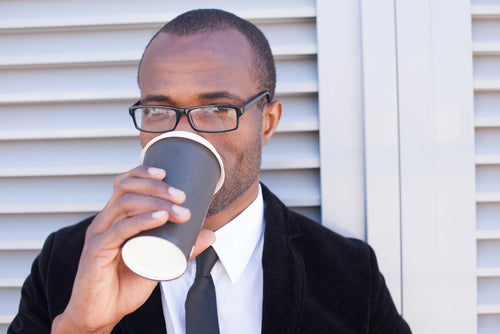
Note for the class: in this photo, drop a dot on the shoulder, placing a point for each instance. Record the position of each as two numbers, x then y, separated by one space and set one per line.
337 277
58 260
66 241
62 249
318 243
324 255
310 236
47 289
73 234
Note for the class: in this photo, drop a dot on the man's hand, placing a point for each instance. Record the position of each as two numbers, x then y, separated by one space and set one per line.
105 290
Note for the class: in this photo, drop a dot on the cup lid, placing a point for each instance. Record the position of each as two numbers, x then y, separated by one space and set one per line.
193 137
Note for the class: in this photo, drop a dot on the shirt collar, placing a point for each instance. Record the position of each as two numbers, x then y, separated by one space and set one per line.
236 240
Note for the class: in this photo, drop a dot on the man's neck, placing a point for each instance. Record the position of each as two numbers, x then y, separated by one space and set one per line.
214 222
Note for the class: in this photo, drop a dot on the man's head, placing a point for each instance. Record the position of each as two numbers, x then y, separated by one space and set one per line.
207 60
209 20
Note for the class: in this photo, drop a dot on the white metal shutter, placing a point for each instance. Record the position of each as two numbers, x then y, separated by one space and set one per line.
486 49
67 76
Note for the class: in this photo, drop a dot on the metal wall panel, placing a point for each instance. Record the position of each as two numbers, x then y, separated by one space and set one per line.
436 149
486 49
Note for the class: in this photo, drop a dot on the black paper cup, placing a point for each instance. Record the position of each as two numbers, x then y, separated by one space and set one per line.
192 165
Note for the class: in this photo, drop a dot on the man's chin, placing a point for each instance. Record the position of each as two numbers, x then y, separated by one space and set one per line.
219 204
226 196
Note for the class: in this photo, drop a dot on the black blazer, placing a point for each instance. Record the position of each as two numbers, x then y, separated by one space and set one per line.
315 281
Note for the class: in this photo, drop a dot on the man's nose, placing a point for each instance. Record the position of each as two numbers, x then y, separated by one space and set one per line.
184 125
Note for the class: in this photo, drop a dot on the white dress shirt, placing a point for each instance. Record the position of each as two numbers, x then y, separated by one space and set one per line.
237 277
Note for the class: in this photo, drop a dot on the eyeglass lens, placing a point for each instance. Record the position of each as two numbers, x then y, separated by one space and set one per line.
209 118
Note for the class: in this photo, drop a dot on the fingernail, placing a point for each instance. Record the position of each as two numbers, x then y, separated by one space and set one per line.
179 210
153 171
175 192
162 214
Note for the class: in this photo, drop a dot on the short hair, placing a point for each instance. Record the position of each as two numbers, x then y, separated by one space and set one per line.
209 20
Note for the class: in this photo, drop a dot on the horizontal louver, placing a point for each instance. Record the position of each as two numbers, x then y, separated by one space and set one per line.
67 76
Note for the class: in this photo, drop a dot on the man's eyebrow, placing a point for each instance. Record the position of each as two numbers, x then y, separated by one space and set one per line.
222 94
156 98
164 99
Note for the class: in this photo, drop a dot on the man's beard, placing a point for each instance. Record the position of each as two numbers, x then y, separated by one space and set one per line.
239 178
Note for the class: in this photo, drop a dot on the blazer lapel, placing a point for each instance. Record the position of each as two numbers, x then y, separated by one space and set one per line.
148 318
284 273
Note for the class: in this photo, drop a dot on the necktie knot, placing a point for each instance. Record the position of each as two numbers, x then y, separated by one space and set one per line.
205 262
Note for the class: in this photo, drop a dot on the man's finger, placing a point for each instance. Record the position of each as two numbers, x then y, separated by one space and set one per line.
131 205
116 235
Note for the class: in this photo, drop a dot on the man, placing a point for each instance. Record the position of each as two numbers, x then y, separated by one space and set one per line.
277 272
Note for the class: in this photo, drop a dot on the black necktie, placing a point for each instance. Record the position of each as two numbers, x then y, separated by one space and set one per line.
201 305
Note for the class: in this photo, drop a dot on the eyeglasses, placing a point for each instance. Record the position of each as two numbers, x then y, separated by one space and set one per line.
210 118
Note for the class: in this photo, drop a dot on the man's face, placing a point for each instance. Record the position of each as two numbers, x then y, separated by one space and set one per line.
202 69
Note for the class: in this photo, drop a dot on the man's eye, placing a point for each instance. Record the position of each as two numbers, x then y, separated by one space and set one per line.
218 109
154 112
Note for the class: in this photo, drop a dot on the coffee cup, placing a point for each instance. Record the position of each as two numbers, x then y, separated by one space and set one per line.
192 165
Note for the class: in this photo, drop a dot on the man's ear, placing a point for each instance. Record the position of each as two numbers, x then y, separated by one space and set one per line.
271 118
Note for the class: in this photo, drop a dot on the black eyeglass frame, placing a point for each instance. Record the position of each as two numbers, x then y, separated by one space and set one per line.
240 110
